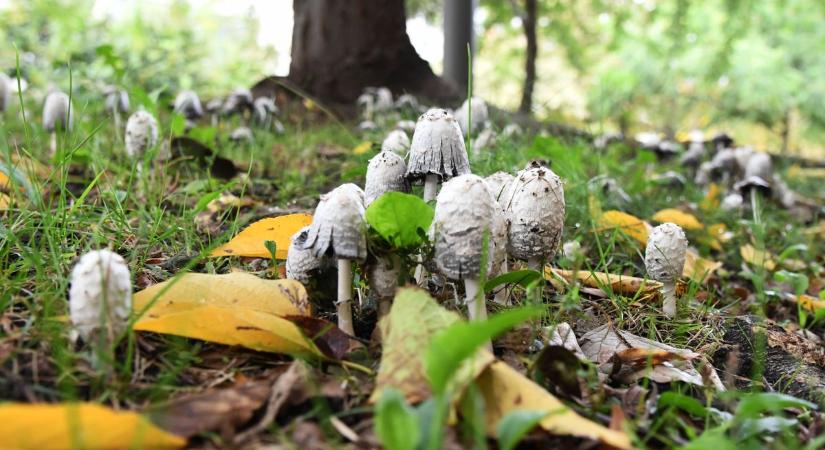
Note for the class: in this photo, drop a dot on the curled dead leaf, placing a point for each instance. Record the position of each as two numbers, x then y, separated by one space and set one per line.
626 223
685 220
251 241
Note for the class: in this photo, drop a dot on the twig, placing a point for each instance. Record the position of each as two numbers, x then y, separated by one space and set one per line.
281 389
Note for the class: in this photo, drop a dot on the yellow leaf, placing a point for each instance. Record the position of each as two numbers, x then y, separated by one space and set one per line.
620 284
79 425
309 104
757 258
632 226
685 220
717 234
250 241
505 390
810 303
795 171
5 201
698 268
233 309
362 148
711 200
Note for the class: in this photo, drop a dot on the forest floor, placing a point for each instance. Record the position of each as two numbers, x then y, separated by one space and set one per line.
166 221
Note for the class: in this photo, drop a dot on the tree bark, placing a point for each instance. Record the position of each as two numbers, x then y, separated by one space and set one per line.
529 23
341 47
458 34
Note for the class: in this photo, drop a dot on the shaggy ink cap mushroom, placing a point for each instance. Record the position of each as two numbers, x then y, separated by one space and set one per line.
758 174
5 91
407 102
188 104
534 208
117 100
479 115
141 133
100 297
385 173
338 224
437 147
499 183
241 134
265 109
301 262
665 260
397 142
239 101
56 112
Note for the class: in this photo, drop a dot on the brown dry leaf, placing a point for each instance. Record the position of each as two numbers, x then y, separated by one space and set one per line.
79 425
250 241
816 229
233 309
640 357
698 268
757 258
631 225
326 336
685 220
505 390
621 284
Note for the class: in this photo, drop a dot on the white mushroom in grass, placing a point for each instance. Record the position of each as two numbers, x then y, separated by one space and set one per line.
498 236
100 297
732 202
117 102
213 108
383 275
397 142
57 115
238 102
188 104
499 184
534 207
665 260
437 151
407 126
478 117
301 262
6 89
463 219
338 230
241 134
385 173
265 110
141 135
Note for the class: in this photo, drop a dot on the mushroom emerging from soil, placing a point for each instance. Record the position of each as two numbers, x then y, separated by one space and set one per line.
478 117
57 115
117 102
141 134
437 152
301 262
534 207
239 102
383 276
5 91
385 173
665 260
188 104
100 298
265 110
397 142
338 230
464 214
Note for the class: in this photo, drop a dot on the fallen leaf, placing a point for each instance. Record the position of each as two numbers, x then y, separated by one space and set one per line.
250 241
685 220
757 258
628 224
362 148
79 425
233 309
716 235
698 268
810 303
712 198
326 336
620 284
797 171
505 390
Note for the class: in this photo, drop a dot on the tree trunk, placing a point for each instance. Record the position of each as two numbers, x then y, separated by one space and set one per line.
458 34
341 47
529 22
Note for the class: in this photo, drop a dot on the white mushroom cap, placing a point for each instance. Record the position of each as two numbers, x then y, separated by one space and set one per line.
511 130
741 156
437 147
464 213
188 104
499 183
238 101
479 116
696 136
759 165
406 125
116 99
5 91
385 173
694 155
301 262
100 295
383 99
407 101
665 252
141 133
648 139
783 193
732 202
367 125
56 110
338 225
214 105
264 108
535 213
241 134
397 142
485 140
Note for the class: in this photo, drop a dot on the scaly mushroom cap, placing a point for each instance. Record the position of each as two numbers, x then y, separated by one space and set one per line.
464 213
301 262
5 91
499 183
534 207
239 100
437 147
338 226
264 109
188 104
479 116
665 252
116 99
383 277
498 236
397 142
759 165
141 133
56 114
385 173
100 295
241 134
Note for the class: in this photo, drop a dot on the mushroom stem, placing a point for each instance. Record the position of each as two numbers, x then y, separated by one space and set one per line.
534 262
669 299
430 187
344 303
476 309
500 296
53 143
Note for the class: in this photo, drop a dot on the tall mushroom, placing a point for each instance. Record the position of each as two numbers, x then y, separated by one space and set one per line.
463 217
188 104
5 91
57 115
665 260
499 183
117 103
238 102
476 121
265 110
385 173
141 134
100 297
397 142
437 152
534 207
338 230
496 183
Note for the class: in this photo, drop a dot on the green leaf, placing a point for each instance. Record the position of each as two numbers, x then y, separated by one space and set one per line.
688 404
752 405
714 438
461 340
177 125
512 428
400 219
396 423
523 278
204 201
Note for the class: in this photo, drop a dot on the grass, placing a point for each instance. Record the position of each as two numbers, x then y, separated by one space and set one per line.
91 196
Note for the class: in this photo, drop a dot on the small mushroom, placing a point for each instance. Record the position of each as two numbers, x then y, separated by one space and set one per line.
241 134
57 115
407 102
721 141
758 174
301 262
6 89
374 100
511 130
338 230
385 173
437 152
117 102
188 104
397 142
265 111
476 121
693 156
407 126
605 140
238 102
496 183
665 260
367 125
732 202
499 183
670 179
534 207
213 108
463 217
487 139
100 297
383 275
141 134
